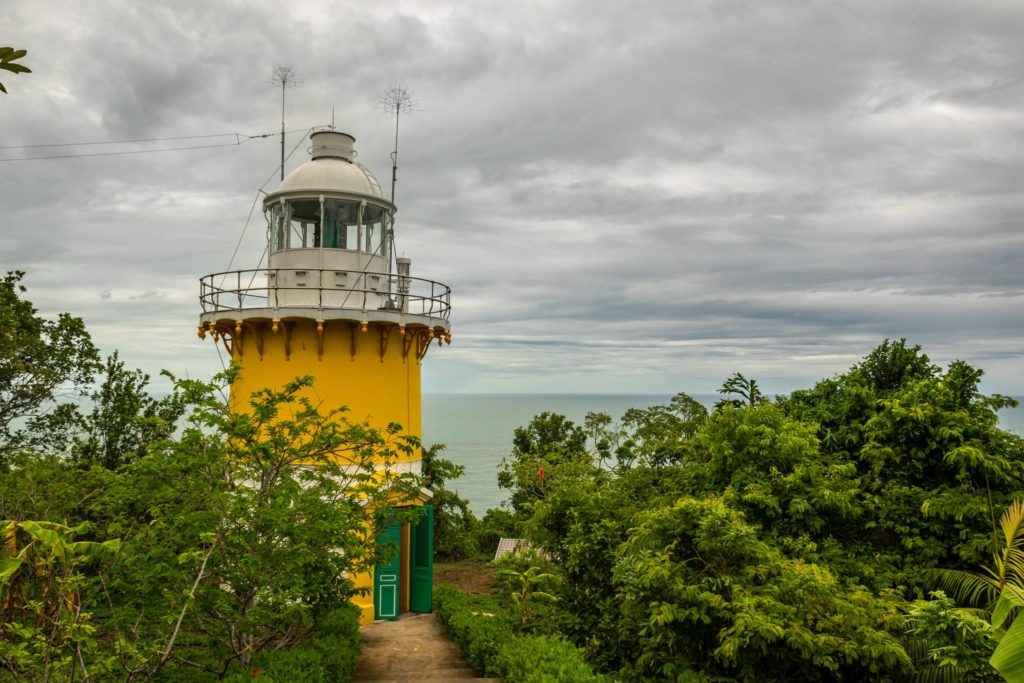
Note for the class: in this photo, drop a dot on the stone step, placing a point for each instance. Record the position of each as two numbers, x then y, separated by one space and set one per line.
398 668
414 648
457 673
415 678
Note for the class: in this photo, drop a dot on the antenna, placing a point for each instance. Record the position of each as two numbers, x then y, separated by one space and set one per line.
284 75
399 100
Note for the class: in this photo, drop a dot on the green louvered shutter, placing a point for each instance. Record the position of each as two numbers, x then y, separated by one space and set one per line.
421 589
386 573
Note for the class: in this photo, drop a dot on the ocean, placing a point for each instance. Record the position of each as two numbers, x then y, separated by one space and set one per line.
477 429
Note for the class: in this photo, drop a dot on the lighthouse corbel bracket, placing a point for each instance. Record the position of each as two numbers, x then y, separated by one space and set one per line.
409 338
385 333
224 336
258 331
286 329
423 343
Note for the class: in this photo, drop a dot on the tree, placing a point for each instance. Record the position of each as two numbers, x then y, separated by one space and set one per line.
48 634
453 521
947 643
781 540
238 536
661 435
932 466
8 57
525 589
892 365
39 359
124 420
698 589
303 492
999 590
547 449
747 390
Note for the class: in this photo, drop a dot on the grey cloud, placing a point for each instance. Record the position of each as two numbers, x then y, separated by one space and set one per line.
623 197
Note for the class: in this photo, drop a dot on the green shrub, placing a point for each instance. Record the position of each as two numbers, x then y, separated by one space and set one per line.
300 663
484 632
543 659
327 657
337 639
477 624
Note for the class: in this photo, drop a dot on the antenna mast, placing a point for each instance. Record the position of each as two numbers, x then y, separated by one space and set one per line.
284 75
400 101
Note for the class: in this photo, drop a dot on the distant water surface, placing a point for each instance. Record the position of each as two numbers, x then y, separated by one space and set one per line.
477 429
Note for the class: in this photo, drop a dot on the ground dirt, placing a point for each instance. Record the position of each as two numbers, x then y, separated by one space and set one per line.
470 576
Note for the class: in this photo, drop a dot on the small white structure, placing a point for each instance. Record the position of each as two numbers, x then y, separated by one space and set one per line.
512 546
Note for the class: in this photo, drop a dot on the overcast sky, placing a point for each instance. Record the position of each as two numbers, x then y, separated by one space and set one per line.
625 197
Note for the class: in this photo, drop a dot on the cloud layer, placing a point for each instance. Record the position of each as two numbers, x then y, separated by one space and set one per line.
624 198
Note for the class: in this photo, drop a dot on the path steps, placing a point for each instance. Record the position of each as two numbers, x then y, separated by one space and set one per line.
414 648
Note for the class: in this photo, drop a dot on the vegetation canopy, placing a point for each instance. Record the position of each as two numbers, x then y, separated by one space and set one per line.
800 538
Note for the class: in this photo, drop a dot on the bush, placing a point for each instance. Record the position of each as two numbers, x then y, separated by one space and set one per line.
478 625
337 639
484 632
328 657
495 525
543 659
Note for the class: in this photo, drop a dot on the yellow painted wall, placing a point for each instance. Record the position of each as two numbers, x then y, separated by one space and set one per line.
378 389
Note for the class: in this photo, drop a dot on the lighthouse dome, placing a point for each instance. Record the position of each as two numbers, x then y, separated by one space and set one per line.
331 169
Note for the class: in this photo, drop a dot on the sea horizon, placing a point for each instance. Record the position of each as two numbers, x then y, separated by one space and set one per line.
477 428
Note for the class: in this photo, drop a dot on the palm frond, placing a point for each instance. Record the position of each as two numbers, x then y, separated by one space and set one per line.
964 587
940 674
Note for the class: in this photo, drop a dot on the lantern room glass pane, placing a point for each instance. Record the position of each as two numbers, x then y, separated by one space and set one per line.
304 224
373 228
341 224
277 228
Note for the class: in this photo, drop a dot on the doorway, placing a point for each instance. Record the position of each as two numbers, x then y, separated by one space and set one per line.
405 575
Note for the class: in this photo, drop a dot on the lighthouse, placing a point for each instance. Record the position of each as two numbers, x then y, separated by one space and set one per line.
335 302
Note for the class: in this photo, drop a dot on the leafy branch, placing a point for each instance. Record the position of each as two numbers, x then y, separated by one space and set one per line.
8 57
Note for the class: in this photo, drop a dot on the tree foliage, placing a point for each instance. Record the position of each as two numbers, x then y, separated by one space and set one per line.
235 535
547 450
454 523
122 421
999 590
40 360
782 540
747 390
8 62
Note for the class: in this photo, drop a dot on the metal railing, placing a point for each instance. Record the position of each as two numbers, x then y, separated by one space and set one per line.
312 288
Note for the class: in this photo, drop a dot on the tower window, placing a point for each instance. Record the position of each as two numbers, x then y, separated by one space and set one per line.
304 224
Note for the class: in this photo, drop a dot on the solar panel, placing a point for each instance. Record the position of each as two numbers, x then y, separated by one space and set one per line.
509 545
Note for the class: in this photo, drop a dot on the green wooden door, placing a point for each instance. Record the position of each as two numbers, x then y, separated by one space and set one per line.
386 573
421 583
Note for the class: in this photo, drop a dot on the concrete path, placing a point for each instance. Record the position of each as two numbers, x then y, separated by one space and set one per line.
414 648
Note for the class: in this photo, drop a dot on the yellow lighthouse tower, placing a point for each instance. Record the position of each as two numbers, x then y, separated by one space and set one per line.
334 302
